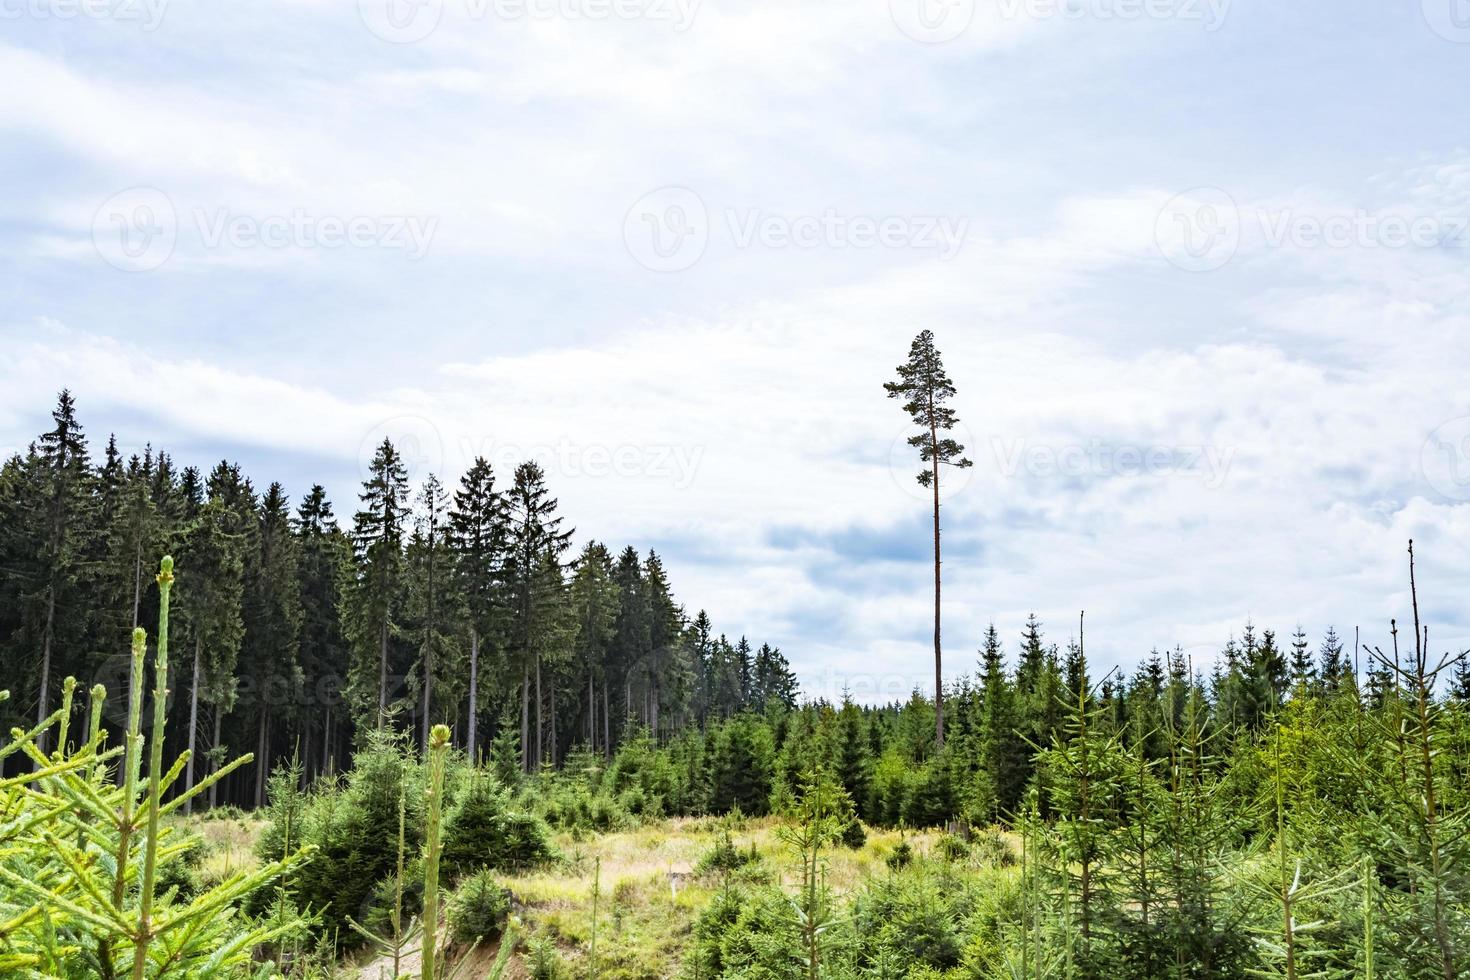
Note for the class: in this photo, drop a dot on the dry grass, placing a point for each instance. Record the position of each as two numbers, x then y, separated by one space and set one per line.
649 896
227 844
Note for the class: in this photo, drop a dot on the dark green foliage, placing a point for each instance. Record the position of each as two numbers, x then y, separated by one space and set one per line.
484 829
355 829
952 847
740 766
902 856
479 909
920 918
726 859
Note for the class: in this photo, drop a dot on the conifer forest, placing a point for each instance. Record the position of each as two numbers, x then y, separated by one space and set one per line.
734 490
424 737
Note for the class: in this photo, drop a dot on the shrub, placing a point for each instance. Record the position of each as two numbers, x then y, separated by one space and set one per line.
482 830
725 858
545 962
902 856
478 909
918 917
991 846
852 835
953 847
354 827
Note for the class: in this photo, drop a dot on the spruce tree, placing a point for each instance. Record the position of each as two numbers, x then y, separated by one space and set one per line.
534 573
924 388
428 559
374 595
211 575
477 541
1332 665
60 520
324 560
1004 756
1303 668
594 598
271 651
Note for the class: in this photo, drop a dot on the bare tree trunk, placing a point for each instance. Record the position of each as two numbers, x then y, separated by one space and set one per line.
326 769
540 726
606 722
383 674
428 691
474 691
193 724
653 706
525 716
262 760
137 579
938 670
429 645
591 712
218 716
307 758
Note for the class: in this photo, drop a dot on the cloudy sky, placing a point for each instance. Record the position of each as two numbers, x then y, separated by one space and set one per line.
1197 267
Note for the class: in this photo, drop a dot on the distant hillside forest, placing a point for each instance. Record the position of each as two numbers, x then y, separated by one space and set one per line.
297 636
297 639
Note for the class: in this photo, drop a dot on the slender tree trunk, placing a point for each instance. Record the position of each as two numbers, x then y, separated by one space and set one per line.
606 722
525 716
193 723
326 769
428 689
653 707
591 712
262 760
551 693
137 579
938 669
474 691
213 795
540 726
43 699
383 674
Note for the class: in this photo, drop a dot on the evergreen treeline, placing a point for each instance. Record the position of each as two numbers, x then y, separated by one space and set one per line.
299 636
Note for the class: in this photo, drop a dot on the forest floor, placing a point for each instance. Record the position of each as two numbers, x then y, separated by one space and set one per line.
648 893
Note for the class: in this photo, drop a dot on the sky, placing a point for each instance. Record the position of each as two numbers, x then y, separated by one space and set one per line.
1198 269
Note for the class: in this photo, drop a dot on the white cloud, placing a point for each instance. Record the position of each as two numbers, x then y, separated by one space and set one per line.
1174 451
